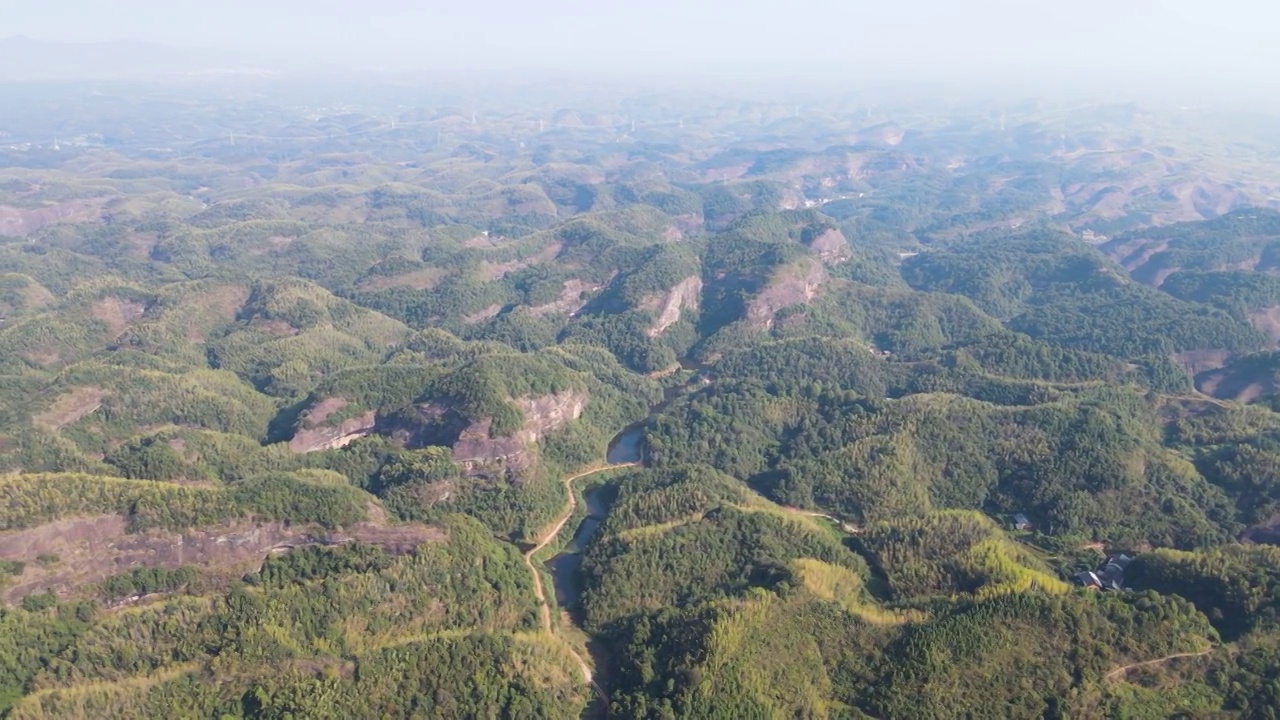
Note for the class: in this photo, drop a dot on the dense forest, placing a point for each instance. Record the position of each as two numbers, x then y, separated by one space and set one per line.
725 413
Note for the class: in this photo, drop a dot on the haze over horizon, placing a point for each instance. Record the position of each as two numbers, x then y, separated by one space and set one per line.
1228 46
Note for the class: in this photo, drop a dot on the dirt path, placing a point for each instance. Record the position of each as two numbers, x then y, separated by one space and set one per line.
848 527
1123 669
549 536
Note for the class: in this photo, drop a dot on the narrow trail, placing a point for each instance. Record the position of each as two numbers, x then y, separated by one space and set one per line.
544 608
1123 669
848 527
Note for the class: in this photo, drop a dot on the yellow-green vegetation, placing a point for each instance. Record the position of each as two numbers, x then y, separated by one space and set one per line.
34 498
678 536
953 552
464 598
1076 460
21 295
296 333
842 586
387 318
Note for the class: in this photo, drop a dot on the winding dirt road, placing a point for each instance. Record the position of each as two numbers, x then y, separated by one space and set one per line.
544 608
848 527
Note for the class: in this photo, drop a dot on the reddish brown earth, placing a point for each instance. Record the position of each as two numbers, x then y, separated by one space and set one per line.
423 279
1267 321
70 407
495 271
20 222
1264 533
279 328
92 549
1231 384
224 302
475 448
482 315
1199 361
118 314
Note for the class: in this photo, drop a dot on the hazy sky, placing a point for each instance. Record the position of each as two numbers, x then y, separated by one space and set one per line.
1229 39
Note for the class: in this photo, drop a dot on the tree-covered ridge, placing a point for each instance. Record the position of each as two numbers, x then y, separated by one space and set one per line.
1247 238
951 552
1079 463
31 499
808 637
888 400
247 651
1056 289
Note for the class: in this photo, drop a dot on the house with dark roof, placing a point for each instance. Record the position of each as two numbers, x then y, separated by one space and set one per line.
1108 576
1020 522
1089 579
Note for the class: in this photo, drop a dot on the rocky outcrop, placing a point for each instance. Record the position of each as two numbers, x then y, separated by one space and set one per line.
790 285
91 549
830 245
476 449
315 433
434 423
573 296
686 294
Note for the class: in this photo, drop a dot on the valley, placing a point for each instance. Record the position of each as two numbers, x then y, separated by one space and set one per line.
555 404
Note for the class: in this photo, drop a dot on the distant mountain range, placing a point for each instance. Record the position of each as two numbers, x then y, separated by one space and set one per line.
27 59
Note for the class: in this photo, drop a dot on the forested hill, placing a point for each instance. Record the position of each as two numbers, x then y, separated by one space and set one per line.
717 412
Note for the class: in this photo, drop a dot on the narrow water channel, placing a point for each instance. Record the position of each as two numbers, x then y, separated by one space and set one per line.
565 567
625 447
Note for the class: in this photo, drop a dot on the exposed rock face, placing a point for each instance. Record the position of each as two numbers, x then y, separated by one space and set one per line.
686 294
475 448
482 315
92 549
831 246
793 284
437 424
316 435
573 296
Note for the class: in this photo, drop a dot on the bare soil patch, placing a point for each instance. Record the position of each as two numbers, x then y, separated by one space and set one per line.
278 328
1199 361
20 222
94 548
482 315
423 279
70 407
1268 322
118 314
323 409
573 296
495 271
480 242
